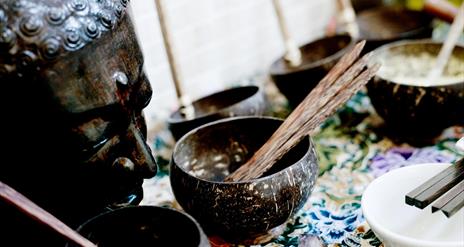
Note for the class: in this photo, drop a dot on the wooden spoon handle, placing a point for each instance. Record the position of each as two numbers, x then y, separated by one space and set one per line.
35 212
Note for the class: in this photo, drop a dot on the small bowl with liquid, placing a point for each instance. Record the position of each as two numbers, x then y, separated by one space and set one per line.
413 107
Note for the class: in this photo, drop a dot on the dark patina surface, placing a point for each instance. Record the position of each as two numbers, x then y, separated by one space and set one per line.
319 57
144 226
239 101
360 5
240 210
74 91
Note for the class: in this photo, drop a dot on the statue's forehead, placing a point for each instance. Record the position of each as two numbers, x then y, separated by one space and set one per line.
89 78
68 46
34 33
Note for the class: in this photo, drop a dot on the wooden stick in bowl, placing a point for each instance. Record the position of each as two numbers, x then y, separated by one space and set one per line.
345 79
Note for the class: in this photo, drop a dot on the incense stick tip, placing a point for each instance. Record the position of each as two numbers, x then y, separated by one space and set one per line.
361 44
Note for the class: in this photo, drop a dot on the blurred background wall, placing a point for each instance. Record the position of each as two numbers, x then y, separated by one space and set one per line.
219 42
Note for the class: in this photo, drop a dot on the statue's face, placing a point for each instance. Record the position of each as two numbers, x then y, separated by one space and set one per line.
85 93
102 91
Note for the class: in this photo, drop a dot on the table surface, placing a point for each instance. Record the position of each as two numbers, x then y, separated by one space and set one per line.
352 152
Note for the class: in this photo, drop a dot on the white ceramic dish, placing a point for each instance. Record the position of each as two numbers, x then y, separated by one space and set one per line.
400 225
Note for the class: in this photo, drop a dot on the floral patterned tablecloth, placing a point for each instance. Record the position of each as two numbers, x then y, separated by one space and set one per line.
352 152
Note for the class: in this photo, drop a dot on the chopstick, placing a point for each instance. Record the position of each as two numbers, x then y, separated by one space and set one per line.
343 80
454 205
413 198
453 200
450 202
432 193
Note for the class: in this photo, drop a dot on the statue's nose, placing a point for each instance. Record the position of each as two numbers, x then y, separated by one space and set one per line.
139 160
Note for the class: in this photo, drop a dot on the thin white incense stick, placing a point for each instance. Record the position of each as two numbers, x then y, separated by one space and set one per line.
347 18
293 53
186 107
447 48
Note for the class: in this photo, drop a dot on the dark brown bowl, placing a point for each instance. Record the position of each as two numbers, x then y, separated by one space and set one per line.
386 24
144 226
416 113
238 101
319 57
239 210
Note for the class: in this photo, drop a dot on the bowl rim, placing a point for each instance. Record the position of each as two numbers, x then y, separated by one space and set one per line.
398 35
144 207
325 60
202 240
384 48
389 233
173 120
237 118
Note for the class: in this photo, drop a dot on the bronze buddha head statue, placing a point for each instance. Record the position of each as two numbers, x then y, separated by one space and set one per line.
74 91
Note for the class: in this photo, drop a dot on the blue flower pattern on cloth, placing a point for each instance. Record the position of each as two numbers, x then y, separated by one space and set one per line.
333 227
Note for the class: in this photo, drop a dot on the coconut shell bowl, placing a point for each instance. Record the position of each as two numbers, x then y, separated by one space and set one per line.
414 108
385 24
318 57
237 211
143 226
238 101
